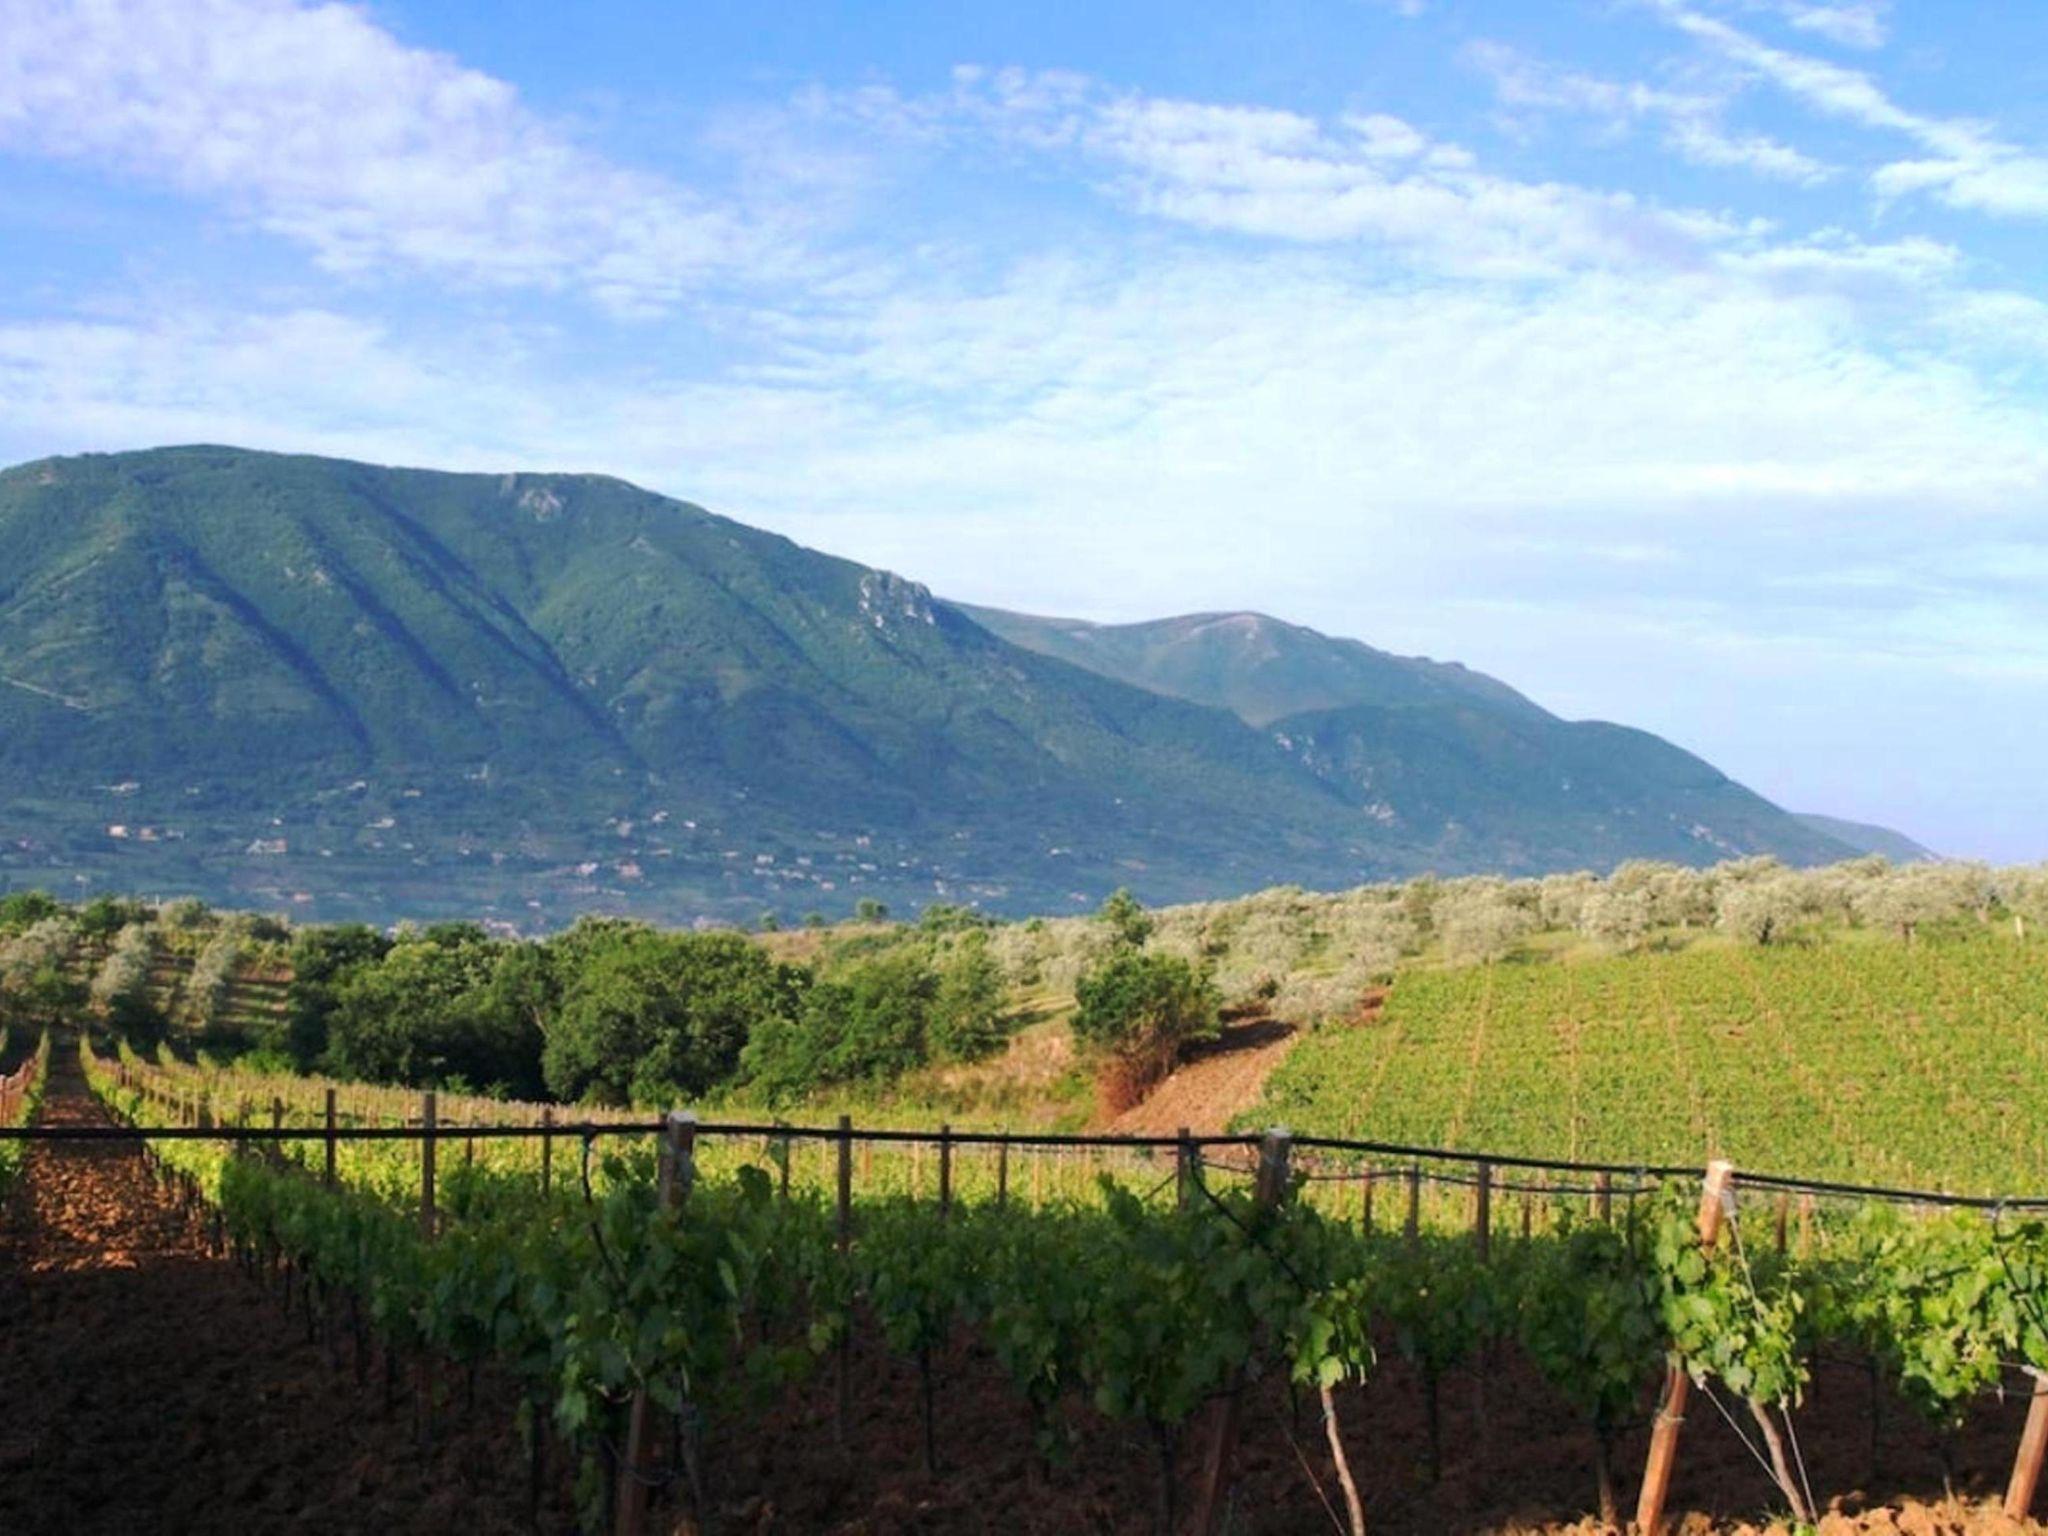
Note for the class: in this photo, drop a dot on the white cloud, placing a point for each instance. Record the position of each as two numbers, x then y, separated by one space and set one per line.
1851 25
1967 165
1368 178
317 125
1692 121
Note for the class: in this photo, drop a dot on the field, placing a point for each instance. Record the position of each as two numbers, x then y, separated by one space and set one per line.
921 1344
1853 1059
917 1327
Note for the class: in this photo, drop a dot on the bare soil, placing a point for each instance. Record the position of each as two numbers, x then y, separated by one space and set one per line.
146 1386
1215 1083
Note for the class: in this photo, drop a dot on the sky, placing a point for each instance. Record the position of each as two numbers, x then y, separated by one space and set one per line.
1681 362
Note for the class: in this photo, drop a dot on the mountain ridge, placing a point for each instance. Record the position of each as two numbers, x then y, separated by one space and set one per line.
366 690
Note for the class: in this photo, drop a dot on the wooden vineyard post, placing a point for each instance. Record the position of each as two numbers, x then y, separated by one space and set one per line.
1184 1169
1482 1212
1002 1173
843 1241
1603 1196
945 1170
1482 1245
547 1149
2026 1467
1413 1227
676 1173
1365 1199
429 1221
330 1139
1677 1386
427 1213
1270 1189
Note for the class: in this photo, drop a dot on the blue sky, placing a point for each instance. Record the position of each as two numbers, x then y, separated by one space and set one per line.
1683 362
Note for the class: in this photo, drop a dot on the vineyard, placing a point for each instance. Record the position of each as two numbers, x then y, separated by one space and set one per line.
1923 1065
1193 1334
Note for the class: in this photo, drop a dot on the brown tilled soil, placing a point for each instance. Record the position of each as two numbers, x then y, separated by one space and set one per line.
148 1387
1213 1084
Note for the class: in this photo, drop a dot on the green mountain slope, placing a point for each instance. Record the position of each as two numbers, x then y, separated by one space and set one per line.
1867 838
353 689
1259 668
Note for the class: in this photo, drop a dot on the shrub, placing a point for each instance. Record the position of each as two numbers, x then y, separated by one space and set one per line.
1139 1012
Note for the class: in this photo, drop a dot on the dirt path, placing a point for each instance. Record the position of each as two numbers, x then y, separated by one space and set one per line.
1205 1092
148 1387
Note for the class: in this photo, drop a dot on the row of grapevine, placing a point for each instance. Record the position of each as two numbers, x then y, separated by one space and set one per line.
1918 1065
598 1294
21 1094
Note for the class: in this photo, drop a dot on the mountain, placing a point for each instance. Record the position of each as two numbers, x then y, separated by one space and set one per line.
1499 781
356 690
1261 669
1865 838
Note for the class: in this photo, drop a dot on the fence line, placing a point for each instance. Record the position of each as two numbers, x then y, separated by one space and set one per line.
1640 1175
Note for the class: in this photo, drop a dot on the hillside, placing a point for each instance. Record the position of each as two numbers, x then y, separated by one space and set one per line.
346 689
1499 782
1866 838
1261 669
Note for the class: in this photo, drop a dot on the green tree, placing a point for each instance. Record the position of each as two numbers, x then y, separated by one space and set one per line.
967 1005
653 1018
322 958
22 910
870 1019
415 1016
1128 922
120 989
869 910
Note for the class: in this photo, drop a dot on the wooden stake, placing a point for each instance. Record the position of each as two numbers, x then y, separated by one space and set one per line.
843 1240
547 1149
330 1138
2026 1467
1365 1200
1414 1225
945 1169
673 1180
1184 1169
427 1213
1603 1195
1002 1173
1664 1437
1482 1215
1269 1191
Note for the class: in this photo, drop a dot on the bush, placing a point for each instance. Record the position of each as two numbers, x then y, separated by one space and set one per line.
1140 1011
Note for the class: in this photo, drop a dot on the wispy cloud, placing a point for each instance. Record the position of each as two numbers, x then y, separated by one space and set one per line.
1855 25
1967 164
317 125
1361 177
1692 122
